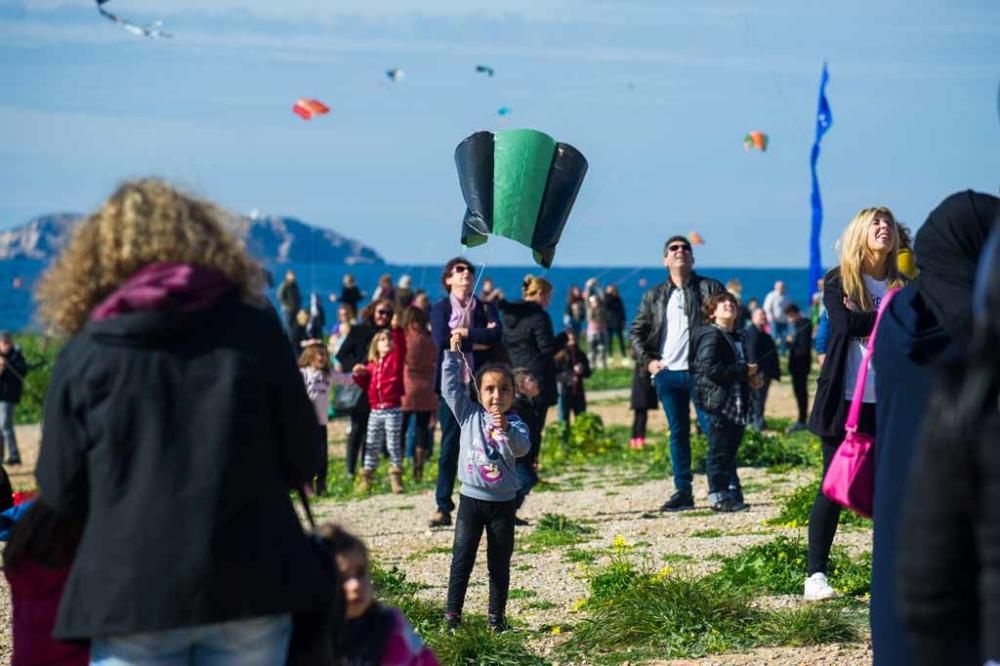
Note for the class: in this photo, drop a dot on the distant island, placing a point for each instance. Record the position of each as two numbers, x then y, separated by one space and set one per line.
271 239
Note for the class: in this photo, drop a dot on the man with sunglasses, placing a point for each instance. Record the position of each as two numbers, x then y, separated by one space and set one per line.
661 340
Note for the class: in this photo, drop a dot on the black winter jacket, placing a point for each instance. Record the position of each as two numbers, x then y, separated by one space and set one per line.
800 349
12 378
829 411
761 350
715 369
527 334
179 436
649 328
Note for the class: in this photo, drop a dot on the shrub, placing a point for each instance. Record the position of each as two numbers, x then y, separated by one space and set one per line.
779 567
40 353
556 530
796 506
767 450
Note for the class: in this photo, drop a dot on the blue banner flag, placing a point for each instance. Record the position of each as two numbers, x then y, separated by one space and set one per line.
824 118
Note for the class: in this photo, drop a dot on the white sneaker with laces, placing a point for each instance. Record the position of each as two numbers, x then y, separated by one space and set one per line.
818 588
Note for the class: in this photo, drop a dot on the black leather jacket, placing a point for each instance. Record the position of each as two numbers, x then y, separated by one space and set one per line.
715 368
649 328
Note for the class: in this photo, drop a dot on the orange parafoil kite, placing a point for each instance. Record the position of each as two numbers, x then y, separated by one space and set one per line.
696 238
755 141
308 108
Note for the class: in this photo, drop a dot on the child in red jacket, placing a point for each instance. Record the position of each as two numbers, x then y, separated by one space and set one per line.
382 378
36 563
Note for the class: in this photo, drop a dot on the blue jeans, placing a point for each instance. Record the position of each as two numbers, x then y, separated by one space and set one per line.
448 458
673 388
778 331
7 428
261 641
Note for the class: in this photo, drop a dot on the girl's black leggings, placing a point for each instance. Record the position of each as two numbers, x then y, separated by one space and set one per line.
825 514
639 423
497 519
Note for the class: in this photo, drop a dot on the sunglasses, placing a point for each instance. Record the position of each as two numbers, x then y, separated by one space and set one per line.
460 268
383 312
678 247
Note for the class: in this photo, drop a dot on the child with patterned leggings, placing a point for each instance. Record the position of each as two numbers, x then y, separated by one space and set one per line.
382 378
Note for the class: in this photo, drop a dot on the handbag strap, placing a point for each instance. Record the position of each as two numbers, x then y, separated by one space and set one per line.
859 385
300 491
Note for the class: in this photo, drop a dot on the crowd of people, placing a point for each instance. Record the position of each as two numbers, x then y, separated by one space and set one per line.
178 394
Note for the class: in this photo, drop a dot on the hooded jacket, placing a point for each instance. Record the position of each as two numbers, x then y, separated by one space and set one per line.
486 461
527 334
12 378
179 435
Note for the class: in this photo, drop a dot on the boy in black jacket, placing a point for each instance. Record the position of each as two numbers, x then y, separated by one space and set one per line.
799 361
526 388
572 367
13 367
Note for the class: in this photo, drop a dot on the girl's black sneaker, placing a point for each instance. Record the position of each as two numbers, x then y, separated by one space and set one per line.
498 623
452 620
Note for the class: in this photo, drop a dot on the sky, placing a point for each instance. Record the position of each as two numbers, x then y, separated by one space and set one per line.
657 95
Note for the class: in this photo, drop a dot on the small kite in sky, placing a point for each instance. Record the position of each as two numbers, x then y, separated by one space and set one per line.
395 74
152 31
484 69
696 238
503 111
309 108
755 141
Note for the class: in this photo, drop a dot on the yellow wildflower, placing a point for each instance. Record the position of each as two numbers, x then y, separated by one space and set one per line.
556 630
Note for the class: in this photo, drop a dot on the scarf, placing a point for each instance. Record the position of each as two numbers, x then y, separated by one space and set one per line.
461 317
165 286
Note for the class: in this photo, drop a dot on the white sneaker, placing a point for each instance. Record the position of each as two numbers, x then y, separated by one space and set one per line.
818 588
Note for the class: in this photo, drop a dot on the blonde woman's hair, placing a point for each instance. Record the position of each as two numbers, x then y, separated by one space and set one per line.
373 345
854 250
535 286
143 222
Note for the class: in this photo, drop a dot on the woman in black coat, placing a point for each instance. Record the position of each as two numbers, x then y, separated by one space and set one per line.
927 321
527 334
852 294
376 316
176 423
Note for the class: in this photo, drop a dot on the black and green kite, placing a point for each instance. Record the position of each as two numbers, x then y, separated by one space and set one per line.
519 184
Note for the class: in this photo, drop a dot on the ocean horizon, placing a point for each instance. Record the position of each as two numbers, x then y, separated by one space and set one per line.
17 307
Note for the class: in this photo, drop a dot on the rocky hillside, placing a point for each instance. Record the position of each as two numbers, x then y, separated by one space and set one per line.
270 238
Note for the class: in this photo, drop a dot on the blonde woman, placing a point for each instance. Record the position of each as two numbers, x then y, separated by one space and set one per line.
852 293
176 421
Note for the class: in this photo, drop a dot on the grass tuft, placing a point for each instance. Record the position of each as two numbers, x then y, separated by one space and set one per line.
554 530
795 508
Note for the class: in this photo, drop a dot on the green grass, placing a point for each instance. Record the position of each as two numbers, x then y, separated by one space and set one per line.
634 614
539 604
675 558
434 550
520 593
554 530
612 378
779 567
472 643
795 508
710 533
580 556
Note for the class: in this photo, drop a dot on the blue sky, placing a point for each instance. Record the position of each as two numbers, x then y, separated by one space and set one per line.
658 96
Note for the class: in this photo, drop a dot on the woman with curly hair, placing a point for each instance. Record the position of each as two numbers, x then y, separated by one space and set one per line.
176 422
852 293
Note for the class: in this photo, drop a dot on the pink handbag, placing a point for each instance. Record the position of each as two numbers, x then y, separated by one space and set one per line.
850 479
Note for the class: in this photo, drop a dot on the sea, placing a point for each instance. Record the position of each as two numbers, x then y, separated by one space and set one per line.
17 279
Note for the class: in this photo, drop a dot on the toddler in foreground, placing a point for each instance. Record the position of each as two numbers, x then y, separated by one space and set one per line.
489 443
373 634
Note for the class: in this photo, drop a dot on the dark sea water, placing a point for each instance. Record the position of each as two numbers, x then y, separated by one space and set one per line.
17 310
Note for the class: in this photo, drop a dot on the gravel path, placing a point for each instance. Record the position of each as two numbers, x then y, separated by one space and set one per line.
395 527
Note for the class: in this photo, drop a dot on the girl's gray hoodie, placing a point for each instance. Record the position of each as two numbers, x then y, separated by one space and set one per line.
486 456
